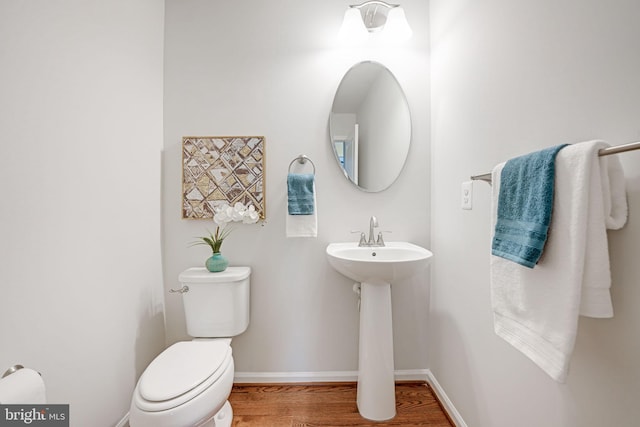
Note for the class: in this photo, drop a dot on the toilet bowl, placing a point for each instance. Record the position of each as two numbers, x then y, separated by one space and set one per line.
189 383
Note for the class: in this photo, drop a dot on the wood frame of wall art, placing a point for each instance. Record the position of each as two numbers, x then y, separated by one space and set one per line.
222 169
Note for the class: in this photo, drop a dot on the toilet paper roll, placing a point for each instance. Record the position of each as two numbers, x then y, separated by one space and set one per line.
23 386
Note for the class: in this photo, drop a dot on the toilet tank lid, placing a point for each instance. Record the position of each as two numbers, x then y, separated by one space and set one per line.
202 275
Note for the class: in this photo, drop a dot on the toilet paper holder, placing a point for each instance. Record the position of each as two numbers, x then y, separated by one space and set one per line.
12 370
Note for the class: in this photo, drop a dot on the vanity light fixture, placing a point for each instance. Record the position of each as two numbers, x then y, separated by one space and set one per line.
375 16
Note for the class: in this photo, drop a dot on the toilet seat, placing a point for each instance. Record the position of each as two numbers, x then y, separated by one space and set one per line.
182 372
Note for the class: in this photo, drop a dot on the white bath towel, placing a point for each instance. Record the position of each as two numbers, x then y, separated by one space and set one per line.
536 310
303 225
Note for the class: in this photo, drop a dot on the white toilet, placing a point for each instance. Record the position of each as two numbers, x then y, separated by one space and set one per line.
189 383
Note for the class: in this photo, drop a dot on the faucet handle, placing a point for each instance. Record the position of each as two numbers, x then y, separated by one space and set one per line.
380 241
363 238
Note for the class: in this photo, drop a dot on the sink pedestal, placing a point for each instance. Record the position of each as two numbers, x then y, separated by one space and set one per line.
376 383
375 268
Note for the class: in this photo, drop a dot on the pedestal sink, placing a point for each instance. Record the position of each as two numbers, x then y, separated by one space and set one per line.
376 268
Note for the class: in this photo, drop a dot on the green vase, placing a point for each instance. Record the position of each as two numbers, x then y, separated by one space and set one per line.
216 263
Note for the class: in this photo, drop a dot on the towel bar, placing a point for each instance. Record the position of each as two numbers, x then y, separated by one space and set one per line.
603 152
302 159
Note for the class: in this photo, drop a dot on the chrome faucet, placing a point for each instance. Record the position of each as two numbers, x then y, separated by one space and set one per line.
373 223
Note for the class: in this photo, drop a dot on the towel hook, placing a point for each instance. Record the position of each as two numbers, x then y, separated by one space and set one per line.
302 159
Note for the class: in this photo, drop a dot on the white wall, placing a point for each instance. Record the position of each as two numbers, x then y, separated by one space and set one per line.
272 69
81 132
509 78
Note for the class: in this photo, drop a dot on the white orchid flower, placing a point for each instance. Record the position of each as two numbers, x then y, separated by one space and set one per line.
250 215
223 214
237 212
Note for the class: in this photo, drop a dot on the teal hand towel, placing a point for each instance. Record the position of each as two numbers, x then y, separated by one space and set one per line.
300 190
525 202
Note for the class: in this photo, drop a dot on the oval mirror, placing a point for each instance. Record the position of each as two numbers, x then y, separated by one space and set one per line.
370 126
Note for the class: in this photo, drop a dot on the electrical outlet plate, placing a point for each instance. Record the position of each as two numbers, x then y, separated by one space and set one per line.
467 195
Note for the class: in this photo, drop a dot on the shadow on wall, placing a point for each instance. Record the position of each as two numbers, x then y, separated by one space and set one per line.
150 333
445 325
593 361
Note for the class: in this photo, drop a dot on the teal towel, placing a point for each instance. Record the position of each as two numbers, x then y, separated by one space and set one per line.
525 202
300 194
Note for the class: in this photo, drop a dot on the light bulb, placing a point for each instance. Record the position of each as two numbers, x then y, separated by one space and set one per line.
353 29
397 28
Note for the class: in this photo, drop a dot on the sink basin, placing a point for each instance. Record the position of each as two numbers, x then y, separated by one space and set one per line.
388 264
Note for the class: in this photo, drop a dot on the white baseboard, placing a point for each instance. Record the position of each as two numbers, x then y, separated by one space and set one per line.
412 375
444 399
322 376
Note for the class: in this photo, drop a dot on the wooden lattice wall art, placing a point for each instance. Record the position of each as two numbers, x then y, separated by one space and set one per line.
222 169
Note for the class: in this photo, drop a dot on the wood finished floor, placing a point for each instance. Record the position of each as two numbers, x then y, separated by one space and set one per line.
332 404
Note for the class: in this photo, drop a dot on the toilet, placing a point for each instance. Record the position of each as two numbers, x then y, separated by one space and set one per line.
189 383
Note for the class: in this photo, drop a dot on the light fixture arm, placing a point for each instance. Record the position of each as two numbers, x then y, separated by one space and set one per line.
373 16
377 2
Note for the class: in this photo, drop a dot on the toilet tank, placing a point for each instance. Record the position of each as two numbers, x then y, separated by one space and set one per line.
217 304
